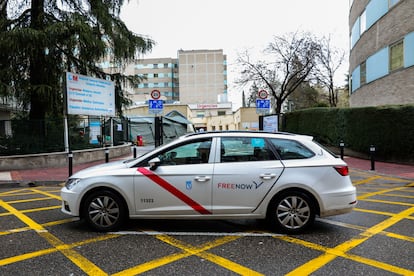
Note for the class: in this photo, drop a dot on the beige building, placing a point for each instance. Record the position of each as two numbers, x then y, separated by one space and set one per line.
157 74
203 76
381 62
194 77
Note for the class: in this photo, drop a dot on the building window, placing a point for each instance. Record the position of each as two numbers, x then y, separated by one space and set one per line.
165 65
200 115
363 23
155 75
396 55
155 66
363 73
392 2
221 113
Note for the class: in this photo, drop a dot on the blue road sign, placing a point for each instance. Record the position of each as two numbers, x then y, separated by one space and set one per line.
262 106
262 103
155 106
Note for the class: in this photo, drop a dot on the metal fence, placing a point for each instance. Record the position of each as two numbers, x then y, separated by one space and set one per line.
16 136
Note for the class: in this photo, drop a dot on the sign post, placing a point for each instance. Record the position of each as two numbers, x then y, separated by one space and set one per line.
156 106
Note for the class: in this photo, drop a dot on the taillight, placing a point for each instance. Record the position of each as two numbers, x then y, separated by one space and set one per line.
342 170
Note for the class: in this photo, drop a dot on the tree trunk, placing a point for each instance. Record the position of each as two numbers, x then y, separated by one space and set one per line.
37 73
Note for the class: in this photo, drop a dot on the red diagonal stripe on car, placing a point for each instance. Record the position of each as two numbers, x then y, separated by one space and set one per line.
193 204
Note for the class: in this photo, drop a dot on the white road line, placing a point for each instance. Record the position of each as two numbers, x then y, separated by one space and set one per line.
216 234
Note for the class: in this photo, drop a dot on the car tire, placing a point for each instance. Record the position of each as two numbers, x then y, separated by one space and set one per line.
104 211
291 212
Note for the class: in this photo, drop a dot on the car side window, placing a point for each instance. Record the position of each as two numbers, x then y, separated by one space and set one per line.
242 149
195 152
289 149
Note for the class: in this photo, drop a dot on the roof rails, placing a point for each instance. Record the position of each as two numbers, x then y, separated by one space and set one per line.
237 131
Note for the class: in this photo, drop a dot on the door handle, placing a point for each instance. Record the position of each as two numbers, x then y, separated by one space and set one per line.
202 178
267 176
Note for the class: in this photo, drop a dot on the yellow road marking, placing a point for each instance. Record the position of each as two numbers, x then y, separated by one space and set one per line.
401 195
339 253
361 197
52 223
363 228
83 263
34 210
387 202
339 250
190 250
29 200
364 181
43 252
46 194
200 251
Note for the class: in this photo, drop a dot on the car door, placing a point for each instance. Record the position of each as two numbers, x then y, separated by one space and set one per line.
245 172
179 185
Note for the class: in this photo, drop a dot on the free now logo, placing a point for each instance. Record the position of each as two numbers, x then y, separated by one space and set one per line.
234 186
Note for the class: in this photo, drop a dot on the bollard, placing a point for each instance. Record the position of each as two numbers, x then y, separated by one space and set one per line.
341 146
70 157
106 155
135 151
372 155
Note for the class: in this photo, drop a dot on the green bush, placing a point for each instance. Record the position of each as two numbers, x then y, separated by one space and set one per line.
389 128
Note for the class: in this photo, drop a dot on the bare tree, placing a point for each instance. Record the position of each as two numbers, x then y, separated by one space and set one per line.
329 59
289 61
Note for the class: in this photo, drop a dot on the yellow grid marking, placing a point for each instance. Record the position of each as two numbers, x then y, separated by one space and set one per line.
43 252
364 181
200 251
341 249
190 250
83 263
387 202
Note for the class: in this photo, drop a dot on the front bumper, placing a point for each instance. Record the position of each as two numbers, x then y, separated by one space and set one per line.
70 202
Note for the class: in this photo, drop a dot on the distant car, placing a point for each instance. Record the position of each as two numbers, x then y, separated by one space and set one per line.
286 178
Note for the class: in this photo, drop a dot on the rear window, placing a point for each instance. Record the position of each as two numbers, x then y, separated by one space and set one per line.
290 149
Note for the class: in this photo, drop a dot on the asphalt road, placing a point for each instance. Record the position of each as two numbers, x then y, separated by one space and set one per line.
377 238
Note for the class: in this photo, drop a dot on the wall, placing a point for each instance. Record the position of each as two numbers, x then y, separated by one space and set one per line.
59 159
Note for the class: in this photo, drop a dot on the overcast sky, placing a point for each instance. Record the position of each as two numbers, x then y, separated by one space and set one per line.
234 25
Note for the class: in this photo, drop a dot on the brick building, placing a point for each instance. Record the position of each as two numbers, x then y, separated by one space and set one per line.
381 62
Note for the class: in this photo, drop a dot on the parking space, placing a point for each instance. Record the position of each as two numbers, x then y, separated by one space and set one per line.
376 239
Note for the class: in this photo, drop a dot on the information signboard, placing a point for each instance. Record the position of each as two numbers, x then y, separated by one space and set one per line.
89 96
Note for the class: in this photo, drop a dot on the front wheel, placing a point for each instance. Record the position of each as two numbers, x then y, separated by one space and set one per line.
291 212
104 211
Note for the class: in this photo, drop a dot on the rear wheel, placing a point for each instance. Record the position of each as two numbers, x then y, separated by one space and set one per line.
291 212
104 210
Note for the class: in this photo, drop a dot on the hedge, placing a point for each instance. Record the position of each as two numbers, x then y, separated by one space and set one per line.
389 128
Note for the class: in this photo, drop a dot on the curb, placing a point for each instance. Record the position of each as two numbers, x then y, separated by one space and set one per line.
31 184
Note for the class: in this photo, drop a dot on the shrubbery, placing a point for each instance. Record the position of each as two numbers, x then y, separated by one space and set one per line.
389 128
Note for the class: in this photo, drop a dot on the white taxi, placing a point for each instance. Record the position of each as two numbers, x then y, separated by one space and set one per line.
285 178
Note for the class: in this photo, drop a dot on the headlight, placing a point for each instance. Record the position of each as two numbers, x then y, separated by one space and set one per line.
71 182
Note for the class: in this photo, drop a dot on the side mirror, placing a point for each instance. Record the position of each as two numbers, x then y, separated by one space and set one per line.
154 163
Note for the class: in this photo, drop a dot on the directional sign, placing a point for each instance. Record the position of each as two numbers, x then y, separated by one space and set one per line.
155 106
262 106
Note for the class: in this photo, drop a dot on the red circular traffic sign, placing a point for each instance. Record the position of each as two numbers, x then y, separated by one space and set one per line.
155 94
262 94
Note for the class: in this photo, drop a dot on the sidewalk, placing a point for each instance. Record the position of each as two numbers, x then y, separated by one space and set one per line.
58 175
392 169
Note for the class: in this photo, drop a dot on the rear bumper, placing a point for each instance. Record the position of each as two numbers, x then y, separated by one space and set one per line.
338 203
